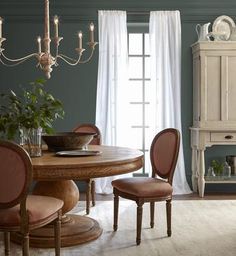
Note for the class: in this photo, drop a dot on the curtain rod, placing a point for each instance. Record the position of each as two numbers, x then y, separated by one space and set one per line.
138 12
135 12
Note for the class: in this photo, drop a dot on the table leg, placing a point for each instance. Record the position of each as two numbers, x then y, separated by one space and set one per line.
76 229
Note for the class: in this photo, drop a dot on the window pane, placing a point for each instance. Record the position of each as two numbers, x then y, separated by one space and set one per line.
135 91
149 115
148 139
135 44
135 67
148 168
147 67
136 114
148 93
136 138
147 45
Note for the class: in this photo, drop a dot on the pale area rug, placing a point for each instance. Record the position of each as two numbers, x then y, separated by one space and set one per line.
199 228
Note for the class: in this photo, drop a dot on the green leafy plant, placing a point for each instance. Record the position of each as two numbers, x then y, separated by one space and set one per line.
33 107
218 167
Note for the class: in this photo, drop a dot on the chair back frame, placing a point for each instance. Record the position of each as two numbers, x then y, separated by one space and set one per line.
24 156
173 158
163 155
24 222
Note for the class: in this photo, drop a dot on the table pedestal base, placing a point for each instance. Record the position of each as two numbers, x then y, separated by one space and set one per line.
77 230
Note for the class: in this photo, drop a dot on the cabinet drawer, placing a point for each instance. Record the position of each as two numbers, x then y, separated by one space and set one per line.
223 136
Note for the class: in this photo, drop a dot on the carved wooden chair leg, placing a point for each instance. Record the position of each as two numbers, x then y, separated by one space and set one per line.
93 192
7 243
88 193
168 216
57 234
152 207
139 221
25 247
116 209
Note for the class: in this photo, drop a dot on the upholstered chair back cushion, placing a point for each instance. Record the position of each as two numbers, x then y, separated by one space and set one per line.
14 173
164 153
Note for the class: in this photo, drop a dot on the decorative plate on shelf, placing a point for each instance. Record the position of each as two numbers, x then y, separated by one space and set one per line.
223 25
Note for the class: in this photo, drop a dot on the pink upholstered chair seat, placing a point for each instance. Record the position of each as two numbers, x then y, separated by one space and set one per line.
143 187
39 208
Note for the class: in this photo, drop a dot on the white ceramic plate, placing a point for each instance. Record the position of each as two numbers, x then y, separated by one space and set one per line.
78 153
223 25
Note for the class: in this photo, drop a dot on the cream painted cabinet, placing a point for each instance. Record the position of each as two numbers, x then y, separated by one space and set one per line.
214 102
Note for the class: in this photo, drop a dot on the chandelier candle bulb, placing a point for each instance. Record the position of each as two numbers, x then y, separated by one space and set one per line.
80 35
1 27
56 22
91 28
39 44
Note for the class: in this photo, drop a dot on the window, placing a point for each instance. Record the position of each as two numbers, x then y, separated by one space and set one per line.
139 92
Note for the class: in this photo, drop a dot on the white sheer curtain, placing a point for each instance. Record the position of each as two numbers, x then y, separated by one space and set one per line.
165 49
112 79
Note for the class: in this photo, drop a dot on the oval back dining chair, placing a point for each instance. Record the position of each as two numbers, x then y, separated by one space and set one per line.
20 212
163 155
90 191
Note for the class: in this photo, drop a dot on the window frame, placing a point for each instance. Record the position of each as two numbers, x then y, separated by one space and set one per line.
144 29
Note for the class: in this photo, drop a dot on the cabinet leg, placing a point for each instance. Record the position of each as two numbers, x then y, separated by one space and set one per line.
201 173
194 169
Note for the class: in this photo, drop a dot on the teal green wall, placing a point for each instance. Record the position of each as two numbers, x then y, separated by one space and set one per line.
76 86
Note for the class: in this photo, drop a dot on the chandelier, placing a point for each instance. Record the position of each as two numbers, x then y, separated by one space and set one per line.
45 59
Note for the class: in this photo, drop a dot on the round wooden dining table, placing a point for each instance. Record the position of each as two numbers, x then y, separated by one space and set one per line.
55 175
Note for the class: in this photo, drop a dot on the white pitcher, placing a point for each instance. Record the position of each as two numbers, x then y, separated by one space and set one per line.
202 32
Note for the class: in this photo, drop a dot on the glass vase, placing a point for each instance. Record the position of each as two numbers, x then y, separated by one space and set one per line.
31 141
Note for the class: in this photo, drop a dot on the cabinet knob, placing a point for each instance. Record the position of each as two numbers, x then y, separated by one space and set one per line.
229 137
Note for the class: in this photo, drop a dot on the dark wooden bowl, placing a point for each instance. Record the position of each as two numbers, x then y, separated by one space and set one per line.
67 140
